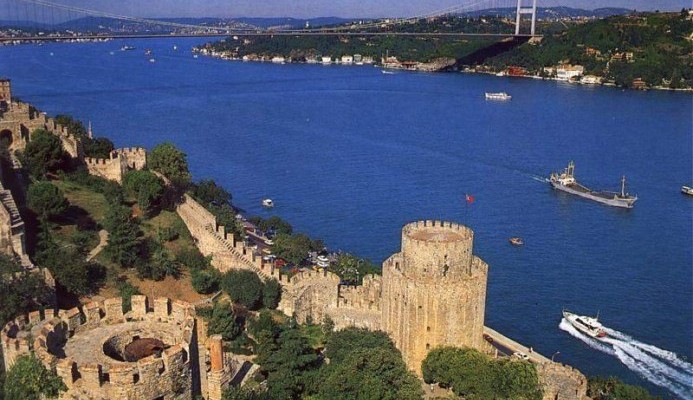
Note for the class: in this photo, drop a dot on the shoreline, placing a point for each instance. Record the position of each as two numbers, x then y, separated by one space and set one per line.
467 70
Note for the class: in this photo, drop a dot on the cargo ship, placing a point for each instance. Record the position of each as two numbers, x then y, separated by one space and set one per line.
566 182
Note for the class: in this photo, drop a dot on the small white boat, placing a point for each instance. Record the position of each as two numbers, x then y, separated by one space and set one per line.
267 203
151 60
387 72
516 241
175 47
687 190
590 326
498 96
195 55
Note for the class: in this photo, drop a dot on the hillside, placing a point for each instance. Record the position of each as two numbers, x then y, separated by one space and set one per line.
656 47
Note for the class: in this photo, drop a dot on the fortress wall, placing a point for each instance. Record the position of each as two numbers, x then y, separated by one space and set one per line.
112 169
212 240
148 378
562 382
365 296
135 157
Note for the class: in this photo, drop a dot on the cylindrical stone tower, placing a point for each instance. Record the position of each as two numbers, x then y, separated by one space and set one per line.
434 291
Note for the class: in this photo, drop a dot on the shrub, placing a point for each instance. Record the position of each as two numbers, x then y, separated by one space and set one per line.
244 287
205 281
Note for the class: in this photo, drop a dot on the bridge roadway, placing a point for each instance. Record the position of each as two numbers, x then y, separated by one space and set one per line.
261 33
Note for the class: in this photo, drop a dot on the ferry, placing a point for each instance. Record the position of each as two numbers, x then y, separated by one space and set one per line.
687 190
588 325
267 203
498 96
566 182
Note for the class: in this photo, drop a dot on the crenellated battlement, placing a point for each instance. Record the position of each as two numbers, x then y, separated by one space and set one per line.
109 353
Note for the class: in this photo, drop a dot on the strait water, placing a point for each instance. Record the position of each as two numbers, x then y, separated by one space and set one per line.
350 155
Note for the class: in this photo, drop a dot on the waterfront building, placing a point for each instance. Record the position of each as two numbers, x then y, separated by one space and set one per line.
347 59
568 72
326 60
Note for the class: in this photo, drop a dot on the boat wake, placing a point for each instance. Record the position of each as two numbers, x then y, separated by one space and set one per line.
540 178
661 367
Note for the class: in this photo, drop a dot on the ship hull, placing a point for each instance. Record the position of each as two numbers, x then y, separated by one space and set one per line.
593 333
614 202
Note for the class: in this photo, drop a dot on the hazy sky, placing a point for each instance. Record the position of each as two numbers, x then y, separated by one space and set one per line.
317 8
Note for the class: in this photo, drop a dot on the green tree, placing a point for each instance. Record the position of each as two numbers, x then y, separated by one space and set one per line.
28 379
273 224
271 293
205 281
223 322
93 147
473 375
288 363
294 248
44 153
244 287
146 187
192 258
123 230
22 291
369 374
208 192
68 267
236 393
612 388
352 268
171 162
344 342
46 200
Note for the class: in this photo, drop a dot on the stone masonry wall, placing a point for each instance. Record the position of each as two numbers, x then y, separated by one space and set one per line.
84 367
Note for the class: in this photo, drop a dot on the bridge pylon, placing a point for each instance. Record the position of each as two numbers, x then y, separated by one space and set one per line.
526 9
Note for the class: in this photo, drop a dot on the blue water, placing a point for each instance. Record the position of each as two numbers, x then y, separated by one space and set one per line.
349 155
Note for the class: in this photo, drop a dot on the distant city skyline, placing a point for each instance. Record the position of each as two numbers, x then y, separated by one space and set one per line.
320 8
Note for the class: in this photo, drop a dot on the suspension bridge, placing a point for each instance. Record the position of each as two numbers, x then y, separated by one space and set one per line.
44 20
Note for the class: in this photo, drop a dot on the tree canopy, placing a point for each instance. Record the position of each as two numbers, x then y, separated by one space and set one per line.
207 191
22 291
28 379
146 187
44 153
244 287
171 162
614 389
46 200
295 248
224 322
473 375
123 230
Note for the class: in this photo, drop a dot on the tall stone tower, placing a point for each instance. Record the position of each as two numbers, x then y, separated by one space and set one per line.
434 291
5 93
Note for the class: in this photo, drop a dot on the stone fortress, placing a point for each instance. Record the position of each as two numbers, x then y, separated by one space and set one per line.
431 293
155 351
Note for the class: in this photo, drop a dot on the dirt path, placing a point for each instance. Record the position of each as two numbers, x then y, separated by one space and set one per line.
103 240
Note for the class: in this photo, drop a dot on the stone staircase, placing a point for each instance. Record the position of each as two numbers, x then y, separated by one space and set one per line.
238 255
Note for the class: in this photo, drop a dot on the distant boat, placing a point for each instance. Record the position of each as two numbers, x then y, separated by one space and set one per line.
151 60
516 241
387 72
687 190
566 182
175 47
587 325
195 55
127 48
268 203
148 52
498 96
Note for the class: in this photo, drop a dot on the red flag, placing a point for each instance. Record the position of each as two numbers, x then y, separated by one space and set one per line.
469 198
